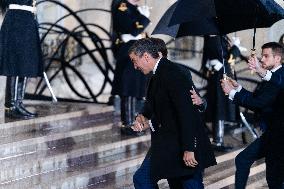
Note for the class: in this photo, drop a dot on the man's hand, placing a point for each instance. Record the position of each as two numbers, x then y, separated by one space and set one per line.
233 82
196 100
141 123
255 66
227 86
189 159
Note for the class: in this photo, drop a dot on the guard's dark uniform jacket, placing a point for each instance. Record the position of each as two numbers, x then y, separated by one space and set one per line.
127 20
20 51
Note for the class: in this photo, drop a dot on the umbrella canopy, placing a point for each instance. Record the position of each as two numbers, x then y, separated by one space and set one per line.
247 14
232 15
192 10
197 26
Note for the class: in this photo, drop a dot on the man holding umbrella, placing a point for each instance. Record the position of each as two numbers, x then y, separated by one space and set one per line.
267 102
267 75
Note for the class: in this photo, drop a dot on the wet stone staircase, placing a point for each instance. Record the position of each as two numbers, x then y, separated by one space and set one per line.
80 146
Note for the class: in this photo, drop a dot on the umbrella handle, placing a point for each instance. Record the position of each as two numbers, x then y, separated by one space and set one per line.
225 78
252 54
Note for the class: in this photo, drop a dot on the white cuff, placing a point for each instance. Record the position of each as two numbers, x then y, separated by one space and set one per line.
267 76
239 88
128 37
232 94
144 10
151 126
218 66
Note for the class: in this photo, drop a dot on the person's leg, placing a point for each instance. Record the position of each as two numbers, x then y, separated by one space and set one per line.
218 137
273 174
13 98
10 93
140 102
127 116
22 82
175 183
126 111
244 160
194 182
142 178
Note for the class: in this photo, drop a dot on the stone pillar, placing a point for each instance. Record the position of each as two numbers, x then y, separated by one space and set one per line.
2 97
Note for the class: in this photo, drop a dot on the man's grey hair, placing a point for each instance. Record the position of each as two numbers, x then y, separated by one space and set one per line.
145 45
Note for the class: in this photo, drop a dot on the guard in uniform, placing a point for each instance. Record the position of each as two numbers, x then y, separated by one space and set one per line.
129 23
219 109
20 53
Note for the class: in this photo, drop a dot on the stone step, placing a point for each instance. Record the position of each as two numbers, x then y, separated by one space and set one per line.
44 143
257 181
63 126
92 150
120 168
219 176
228 181
78 176
226 162
56 122
123 178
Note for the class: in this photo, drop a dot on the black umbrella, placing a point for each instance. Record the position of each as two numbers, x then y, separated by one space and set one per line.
193 10
198 26
232 15
251 14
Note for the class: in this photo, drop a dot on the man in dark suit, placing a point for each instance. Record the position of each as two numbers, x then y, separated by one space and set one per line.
267 102
180 148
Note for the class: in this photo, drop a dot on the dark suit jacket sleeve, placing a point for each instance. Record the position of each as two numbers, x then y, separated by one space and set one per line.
256 101
147 111
278 79
202 107
186 113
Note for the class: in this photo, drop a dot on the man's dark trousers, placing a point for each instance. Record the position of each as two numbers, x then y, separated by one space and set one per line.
189 182
244 161
142 179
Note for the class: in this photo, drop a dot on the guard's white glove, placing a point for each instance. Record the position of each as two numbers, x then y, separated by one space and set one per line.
144 10
237 42
216 64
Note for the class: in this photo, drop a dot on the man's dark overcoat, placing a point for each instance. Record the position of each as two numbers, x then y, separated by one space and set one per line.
176 122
